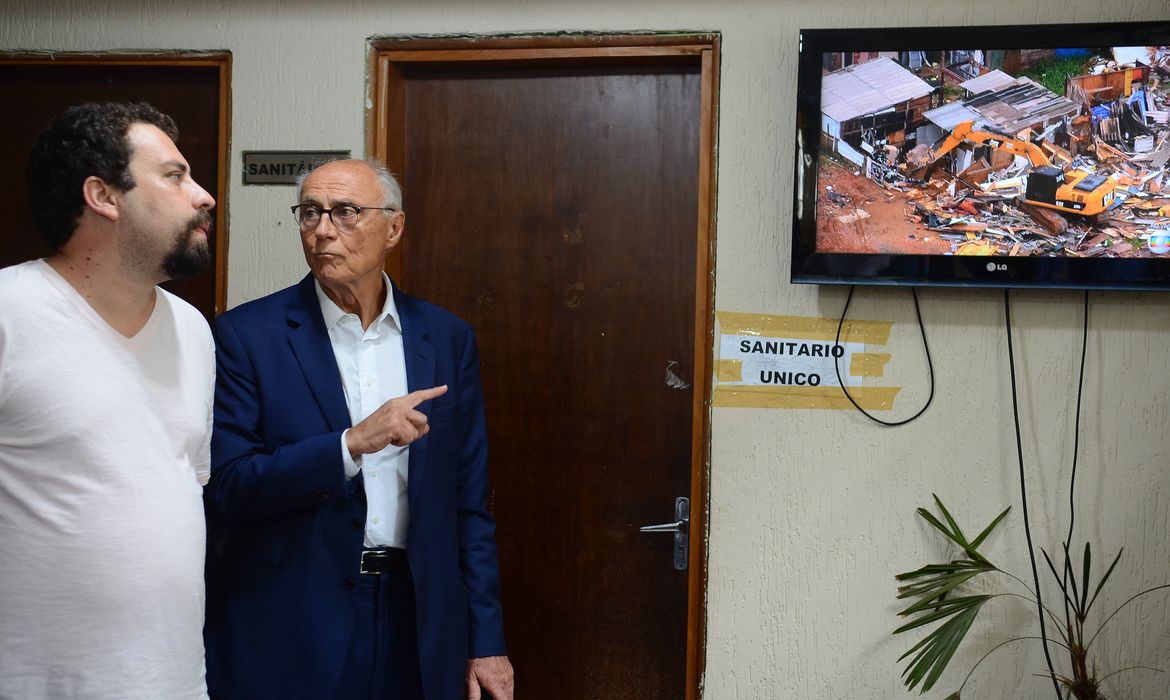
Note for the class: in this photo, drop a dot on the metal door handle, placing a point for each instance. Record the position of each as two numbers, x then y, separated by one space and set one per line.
680 528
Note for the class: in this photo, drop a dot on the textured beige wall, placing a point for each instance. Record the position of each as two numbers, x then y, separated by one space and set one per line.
811 511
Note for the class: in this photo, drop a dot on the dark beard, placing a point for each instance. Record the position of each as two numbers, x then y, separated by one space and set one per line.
186 258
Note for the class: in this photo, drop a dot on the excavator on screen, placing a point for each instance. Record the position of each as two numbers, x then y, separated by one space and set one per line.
1071 192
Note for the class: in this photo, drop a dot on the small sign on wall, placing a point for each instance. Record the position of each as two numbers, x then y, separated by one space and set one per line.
283 167
768 361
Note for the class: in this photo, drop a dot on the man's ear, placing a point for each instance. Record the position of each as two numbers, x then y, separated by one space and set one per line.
100 197
397 224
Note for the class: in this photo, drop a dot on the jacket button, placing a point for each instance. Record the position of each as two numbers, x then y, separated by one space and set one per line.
355 524
349 584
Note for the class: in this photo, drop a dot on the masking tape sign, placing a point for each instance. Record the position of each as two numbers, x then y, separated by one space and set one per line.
768 361
788 361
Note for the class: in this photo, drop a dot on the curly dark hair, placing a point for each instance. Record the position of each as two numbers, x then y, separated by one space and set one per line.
84 140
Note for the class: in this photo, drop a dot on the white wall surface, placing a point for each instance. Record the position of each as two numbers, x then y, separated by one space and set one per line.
812 511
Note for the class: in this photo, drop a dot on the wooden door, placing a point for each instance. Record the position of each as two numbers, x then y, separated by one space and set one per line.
559 204
193 90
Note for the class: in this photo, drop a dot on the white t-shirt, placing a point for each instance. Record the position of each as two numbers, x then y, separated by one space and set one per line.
104 445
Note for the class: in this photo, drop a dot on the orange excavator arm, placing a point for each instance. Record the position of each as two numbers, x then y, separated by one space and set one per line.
1071 191
964 132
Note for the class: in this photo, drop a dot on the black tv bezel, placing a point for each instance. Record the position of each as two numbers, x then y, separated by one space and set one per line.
811 267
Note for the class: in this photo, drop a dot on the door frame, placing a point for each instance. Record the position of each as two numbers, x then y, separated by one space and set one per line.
222 60
386 138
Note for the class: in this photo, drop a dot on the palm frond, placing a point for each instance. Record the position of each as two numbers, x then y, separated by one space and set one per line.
1085 573
932 588
1072 584
937 580
1101 583
937 649
987 530
1059 580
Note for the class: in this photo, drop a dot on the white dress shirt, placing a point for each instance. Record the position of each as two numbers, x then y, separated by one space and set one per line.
373 370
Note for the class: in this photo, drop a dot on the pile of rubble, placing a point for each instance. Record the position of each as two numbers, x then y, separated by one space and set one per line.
985 215
981 210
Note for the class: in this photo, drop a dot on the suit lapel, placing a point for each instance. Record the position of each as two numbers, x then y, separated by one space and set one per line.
420 374
310 344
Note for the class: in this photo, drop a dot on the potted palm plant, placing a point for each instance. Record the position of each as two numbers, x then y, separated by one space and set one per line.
938 597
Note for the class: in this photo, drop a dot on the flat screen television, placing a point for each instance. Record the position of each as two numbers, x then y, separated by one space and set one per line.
1001 156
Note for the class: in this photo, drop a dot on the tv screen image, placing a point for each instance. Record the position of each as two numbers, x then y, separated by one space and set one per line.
999 156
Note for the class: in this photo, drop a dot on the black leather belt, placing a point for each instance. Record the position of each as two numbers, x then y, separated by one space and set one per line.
384 560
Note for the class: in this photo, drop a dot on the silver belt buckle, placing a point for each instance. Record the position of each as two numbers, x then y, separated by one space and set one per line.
362 566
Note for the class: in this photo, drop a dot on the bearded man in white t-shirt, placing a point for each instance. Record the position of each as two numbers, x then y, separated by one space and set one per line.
105 414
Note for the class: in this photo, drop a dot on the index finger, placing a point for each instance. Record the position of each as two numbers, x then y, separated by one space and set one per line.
414 398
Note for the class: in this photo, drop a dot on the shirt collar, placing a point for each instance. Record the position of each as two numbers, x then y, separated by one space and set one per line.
333 313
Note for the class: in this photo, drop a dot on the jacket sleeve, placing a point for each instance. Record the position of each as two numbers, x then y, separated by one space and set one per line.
477 542
250 480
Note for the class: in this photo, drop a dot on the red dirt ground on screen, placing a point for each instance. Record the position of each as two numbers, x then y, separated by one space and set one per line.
888 228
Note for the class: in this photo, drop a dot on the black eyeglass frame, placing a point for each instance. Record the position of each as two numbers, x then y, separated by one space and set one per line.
358 209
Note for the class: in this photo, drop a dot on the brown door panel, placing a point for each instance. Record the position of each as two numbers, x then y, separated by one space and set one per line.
555 208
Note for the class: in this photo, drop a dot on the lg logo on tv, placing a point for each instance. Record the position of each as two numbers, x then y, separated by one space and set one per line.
992 267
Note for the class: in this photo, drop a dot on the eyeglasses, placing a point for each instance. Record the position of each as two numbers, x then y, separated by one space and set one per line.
343 216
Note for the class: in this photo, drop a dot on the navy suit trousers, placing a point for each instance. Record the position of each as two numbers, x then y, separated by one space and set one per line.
382 661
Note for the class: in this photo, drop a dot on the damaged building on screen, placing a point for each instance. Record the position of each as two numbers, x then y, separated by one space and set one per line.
987 158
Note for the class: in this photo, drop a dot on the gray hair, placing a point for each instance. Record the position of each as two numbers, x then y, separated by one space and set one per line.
391 190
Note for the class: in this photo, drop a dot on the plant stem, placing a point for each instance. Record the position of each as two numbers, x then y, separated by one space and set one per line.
1133 598
1130 668
989 651
1051 614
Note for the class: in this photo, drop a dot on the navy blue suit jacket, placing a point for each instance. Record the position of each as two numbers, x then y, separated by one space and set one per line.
281 597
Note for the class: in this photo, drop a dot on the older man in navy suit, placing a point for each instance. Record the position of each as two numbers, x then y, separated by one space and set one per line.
349 473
